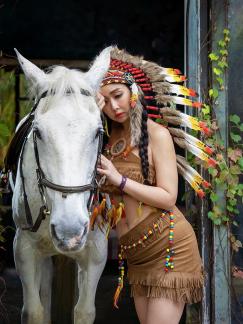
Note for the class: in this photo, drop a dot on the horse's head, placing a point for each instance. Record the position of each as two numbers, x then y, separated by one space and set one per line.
67 123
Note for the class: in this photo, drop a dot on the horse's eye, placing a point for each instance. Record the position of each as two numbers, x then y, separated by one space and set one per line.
37 132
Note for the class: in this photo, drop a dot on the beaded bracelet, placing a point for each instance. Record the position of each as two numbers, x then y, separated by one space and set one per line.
123 183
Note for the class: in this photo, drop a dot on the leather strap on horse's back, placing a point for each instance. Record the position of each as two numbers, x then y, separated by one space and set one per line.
16 144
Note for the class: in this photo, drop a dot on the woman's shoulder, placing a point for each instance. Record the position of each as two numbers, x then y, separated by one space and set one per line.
157 131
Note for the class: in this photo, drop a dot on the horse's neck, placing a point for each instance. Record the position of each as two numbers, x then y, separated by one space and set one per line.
30 179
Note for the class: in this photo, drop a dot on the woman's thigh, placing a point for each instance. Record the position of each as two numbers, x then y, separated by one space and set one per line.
141 305
163 311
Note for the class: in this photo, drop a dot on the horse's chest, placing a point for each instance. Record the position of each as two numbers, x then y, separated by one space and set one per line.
45 245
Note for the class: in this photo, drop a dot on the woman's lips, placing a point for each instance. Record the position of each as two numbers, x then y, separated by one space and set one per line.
118 115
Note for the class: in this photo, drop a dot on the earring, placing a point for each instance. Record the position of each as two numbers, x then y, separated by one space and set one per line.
134 95
106 127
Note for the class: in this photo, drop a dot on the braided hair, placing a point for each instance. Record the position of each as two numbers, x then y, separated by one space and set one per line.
143 144
143 141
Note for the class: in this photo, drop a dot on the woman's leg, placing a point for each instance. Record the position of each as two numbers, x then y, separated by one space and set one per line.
163 311
141 305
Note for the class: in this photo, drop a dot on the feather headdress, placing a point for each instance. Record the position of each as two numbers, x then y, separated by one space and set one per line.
161 92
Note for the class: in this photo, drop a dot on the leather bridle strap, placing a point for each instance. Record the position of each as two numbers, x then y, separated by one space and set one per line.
43 182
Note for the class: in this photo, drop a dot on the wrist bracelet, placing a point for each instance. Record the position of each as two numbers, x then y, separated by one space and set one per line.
123 183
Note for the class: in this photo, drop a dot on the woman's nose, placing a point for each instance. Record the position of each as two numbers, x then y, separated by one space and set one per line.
114 104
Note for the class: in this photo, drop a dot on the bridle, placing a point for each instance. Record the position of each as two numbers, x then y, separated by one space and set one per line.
43 182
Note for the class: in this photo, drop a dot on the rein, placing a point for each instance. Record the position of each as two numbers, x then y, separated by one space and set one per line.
43 182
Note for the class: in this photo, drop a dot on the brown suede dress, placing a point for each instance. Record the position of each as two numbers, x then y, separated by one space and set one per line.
146 258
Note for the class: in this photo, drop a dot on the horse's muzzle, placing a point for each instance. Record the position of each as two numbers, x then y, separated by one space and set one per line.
69 243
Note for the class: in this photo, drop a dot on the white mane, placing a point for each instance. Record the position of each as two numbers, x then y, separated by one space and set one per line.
61 82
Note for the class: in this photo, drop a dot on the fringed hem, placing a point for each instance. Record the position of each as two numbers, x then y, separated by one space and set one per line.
186 295
176 286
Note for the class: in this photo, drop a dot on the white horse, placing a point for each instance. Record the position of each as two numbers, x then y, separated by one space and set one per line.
64 137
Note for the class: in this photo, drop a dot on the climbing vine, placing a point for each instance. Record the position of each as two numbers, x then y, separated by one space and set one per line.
226 176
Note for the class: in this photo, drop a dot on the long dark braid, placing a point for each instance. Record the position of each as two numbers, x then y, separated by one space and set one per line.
143 145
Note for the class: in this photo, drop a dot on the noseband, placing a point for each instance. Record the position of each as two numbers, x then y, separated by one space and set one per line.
43 182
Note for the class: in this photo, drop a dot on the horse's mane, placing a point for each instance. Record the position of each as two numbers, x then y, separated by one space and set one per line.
60 82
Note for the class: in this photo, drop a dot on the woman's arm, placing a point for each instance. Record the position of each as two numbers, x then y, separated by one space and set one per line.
165 193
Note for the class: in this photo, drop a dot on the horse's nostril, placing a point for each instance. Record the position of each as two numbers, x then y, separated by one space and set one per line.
85 229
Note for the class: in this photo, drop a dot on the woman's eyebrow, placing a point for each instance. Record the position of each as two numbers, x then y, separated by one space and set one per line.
117 89
112 91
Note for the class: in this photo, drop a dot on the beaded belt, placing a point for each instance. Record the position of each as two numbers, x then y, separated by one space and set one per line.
168 264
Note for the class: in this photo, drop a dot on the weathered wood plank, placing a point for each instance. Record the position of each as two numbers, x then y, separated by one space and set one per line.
196 66
221 247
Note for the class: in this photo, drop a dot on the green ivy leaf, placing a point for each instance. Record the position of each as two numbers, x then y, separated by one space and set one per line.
240 162
232 202
235 119
222 166
213 93
222 64
213 171
235 169
222 43
241 127
220 81
235 137
225 218
226 31
217 221
214 197
206 109
223 175
230 208
217 71
223 52
213 56
239 186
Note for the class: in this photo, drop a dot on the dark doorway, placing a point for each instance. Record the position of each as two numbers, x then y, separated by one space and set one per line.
74 30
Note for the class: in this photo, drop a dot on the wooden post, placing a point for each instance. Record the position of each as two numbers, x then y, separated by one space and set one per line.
221 280
196 67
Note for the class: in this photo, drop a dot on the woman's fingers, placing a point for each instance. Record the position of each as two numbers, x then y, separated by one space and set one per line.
100 100
101 171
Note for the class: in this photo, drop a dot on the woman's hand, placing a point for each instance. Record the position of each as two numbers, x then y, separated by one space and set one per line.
107 168
100 100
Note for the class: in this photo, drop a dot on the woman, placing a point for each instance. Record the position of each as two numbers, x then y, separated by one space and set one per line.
140 167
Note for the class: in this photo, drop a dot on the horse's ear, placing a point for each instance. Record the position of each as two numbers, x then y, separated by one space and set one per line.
33 74
99 68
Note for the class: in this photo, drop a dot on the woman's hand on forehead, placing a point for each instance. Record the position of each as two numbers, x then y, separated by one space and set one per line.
100 100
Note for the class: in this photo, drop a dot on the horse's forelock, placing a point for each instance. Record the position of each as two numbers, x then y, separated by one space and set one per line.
62 81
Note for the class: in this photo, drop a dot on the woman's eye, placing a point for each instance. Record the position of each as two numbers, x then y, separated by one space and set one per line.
118 96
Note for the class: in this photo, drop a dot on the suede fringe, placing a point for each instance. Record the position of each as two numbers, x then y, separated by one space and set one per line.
176 286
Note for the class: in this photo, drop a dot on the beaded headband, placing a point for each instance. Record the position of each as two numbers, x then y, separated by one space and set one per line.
119 76
161 92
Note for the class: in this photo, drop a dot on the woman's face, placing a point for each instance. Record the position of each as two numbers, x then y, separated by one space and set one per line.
117 101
